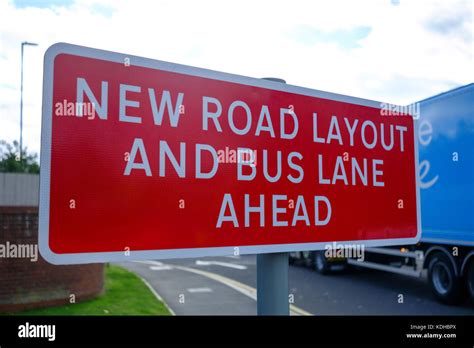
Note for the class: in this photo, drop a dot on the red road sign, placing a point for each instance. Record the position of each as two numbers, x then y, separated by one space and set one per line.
148 159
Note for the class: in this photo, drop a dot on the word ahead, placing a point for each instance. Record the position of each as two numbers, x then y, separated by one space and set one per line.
147 159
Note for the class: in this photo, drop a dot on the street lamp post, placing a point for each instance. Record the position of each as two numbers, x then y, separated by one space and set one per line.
24 43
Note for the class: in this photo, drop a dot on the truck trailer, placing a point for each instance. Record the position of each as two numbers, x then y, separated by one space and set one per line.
445 135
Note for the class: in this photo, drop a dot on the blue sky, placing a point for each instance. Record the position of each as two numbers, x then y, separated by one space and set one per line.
391 51
41 3
96 7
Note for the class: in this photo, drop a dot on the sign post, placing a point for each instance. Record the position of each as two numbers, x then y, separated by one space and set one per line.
272 284
272 277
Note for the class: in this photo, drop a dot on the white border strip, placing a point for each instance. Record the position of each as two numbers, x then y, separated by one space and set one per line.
45 173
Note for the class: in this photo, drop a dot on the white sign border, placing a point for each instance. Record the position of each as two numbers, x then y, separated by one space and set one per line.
97 257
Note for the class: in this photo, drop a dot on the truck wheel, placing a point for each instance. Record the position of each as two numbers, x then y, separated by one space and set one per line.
445 285
308 258
470 278
298 258
321 265
291 258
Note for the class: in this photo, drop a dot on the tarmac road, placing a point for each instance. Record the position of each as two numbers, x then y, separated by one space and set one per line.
226 286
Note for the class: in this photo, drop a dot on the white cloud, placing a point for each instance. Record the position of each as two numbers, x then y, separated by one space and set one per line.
413 50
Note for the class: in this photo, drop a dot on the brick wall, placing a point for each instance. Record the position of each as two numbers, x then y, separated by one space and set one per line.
25 284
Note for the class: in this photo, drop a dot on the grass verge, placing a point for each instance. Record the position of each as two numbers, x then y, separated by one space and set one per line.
125 294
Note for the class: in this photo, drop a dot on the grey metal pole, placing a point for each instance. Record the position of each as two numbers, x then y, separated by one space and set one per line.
272 278
21 106
272 284
21 98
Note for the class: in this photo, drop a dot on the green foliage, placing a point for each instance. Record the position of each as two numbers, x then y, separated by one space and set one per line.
10 161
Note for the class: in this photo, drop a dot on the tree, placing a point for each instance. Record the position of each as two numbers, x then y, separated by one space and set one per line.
10 159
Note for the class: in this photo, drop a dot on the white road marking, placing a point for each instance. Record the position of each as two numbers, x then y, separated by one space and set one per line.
157 295
160 268
199 290
157 263
218 263
240 287
157 266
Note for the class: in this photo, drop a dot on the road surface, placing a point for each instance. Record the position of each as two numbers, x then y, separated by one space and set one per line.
226 286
